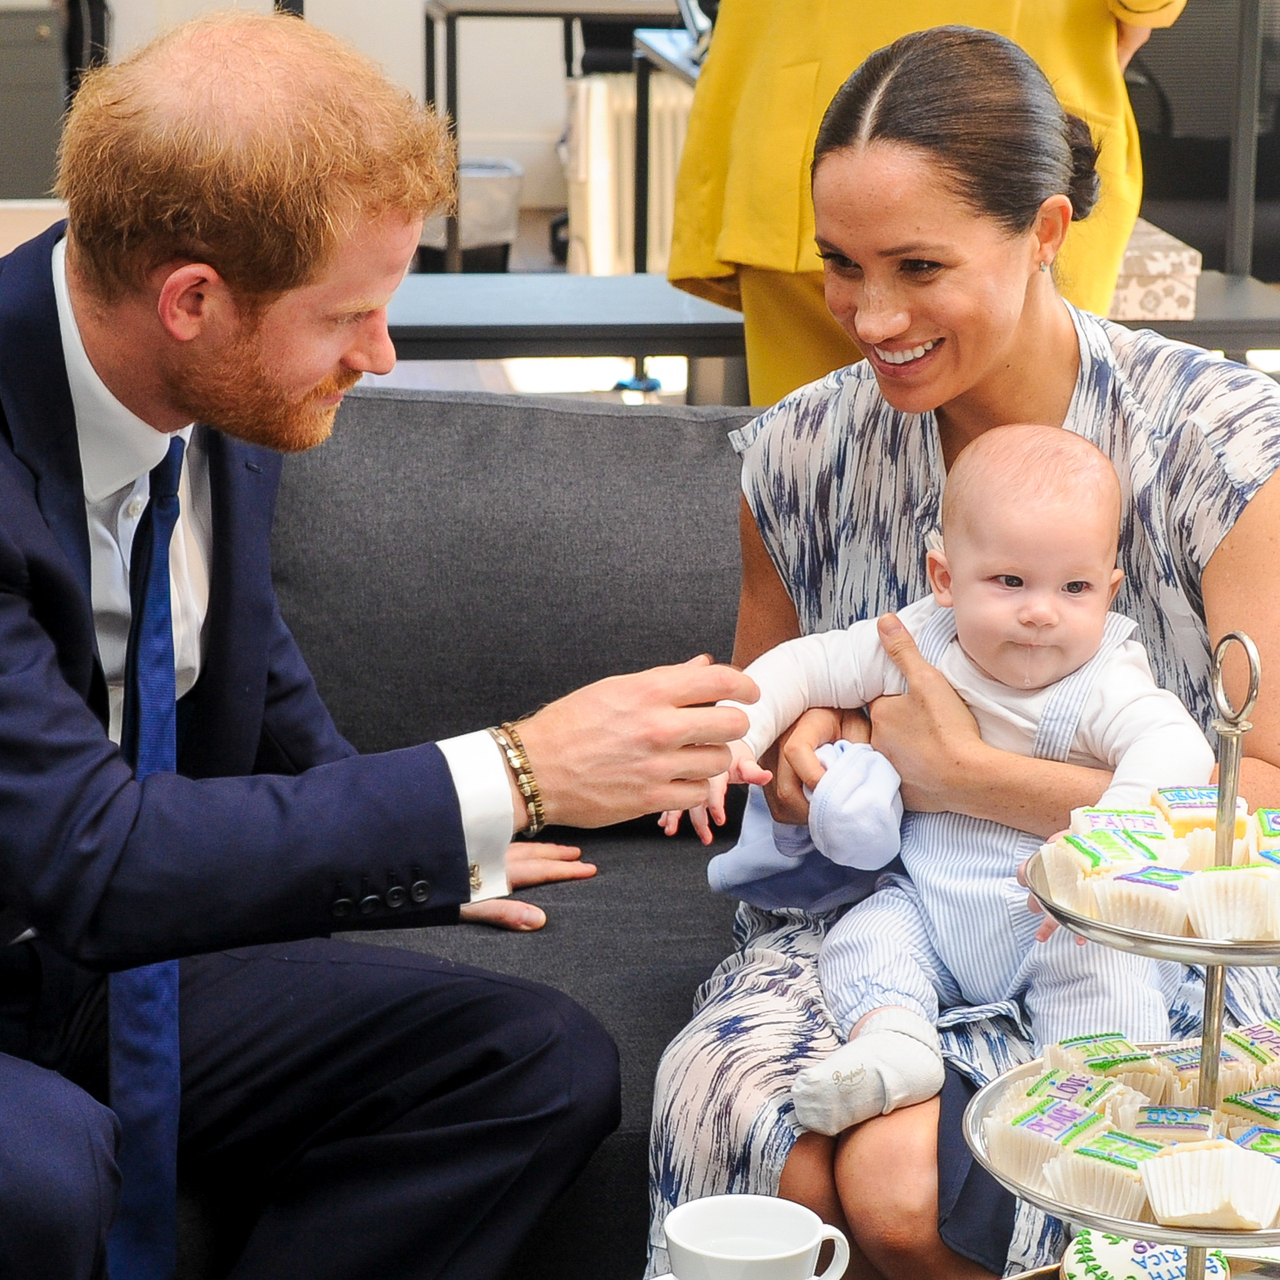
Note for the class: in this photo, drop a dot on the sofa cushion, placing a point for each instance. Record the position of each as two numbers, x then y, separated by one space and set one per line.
450 560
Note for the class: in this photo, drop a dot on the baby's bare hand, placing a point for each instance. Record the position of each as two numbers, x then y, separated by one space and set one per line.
1049 925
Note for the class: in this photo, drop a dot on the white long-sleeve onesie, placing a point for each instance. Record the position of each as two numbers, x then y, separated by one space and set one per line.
972 941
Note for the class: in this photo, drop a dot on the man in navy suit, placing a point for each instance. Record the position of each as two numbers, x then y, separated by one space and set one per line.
244 197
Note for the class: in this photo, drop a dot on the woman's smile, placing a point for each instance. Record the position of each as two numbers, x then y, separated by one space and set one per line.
903 362
906 355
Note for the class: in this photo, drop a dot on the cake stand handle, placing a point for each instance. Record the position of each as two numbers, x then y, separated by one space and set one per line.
1215 987
1231 726
1197 1255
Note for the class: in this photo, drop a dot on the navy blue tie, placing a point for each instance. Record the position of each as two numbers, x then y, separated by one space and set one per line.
143 1005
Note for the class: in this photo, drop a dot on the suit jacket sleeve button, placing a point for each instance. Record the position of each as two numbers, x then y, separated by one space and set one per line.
420 891
342 907
369 904
396 896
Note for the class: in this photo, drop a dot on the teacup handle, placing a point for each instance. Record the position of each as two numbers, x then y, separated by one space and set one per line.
840 1259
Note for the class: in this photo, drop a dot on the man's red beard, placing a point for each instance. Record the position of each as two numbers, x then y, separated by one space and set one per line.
231 390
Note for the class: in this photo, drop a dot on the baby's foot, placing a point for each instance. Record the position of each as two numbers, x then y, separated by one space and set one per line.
893 1061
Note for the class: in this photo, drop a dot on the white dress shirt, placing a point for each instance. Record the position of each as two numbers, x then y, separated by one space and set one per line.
117 453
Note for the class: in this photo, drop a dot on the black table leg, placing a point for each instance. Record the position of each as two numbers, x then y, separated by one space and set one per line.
1244 142
431 63
643 70
453 230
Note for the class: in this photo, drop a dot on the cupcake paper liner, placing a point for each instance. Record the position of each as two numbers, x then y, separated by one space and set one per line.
1239 905
1202 849
1135 906
1087 1184
1212 1184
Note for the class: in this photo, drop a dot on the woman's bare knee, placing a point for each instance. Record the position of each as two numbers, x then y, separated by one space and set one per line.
808 1177
887 1179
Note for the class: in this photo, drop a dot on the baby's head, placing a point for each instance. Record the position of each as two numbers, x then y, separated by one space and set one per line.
1030 526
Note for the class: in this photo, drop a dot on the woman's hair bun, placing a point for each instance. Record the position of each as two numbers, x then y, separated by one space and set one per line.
1083 187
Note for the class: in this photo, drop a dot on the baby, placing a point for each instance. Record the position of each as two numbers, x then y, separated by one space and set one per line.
1018 622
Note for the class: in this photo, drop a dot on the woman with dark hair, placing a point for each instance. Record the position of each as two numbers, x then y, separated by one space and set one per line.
945 176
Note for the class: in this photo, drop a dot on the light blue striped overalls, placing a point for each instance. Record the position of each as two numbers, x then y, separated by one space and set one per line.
959 932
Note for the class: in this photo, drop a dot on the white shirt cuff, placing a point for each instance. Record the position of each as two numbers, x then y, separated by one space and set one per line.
484 800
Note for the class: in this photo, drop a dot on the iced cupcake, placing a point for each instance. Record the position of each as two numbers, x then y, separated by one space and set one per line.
1192 812
1150 899
1021 1145
1073 863
1235 1072
1253 1106
1188 809
1085 821
1167 1125
1103 1175
1265 834
1110 1054
1266 1142
1095 1093
1260 1043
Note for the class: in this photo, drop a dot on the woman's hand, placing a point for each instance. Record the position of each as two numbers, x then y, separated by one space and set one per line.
929 735
794 761
528 864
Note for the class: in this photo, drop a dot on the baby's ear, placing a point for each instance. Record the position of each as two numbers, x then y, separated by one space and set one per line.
1117 577
939 572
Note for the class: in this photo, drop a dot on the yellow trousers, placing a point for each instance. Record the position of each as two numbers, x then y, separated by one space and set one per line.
791 337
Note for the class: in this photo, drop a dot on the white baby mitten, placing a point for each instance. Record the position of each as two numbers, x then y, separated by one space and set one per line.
855 811
894 1061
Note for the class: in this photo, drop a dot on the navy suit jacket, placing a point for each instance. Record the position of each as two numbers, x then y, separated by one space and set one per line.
273 828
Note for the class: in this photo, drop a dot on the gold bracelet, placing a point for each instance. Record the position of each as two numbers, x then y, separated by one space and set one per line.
508 739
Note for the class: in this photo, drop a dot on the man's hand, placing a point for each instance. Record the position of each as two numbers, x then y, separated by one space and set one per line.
929 735
1129 39
528 864
635 744
795 762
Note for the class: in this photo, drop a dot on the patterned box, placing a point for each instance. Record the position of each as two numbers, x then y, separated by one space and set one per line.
1157 277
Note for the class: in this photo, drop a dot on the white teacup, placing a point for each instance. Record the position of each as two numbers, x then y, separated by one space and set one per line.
749 1238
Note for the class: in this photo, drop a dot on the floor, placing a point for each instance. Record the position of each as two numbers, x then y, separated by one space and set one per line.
593 378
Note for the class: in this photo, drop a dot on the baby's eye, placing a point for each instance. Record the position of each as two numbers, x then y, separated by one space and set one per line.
1076 588
1009 580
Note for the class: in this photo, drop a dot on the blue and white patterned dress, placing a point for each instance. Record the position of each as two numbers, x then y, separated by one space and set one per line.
845 491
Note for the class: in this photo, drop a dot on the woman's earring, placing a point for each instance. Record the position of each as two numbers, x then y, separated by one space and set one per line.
1044 266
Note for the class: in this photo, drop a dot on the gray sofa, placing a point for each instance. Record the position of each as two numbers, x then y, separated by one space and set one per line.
448 561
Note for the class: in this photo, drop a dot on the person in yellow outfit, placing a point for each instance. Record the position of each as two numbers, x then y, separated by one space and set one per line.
743 232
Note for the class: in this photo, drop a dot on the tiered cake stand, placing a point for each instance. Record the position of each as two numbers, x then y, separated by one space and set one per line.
1215 957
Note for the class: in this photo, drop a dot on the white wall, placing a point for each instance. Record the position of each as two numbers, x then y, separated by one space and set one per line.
391 31
512 97
512 93
134 22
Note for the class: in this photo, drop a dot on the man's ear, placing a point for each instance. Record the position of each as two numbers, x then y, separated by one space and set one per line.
1117 577
935 563
193 299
